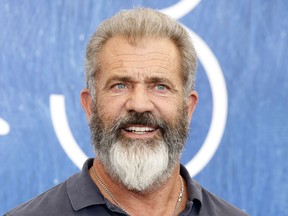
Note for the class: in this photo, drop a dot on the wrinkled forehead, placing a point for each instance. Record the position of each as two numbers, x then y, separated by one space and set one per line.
119 53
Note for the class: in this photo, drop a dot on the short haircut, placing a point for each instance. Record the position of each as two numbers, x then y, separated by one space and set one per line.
134 25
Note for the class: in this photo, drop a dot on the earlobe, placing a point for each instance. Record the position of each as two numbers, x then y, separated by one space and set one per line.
86 102
192 100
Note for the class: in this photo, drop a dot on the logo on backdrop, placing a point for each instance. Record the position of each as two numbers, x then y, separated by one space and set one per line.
219 101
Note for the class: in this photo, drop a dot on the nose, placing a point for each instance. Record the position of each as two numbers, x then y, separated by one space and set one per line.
139 100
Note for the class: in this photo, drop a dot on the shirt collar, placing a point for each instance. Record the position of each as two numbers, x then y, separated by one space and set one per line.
81 189
83 192
194 189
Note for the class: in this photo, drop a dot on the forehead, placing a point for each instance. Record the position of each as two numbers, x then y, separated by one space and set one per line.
147 55
138 45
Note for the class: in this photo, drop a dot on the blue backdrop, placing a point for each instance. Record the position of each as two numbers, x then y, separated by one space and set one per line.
242 83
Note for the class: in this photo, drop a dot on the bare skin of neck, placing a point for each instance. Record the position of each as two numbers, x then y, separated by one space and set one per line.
161 201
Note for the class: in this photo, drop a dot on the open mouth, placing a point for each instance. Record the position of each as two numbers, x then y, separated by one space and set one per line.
139 129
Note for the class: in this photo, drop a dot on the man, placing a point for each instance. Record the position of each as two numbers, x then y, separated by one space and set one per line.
140 71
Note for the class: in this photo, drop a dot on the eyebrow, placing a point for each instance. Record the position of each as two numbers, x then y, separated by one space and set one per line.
156 79
119 79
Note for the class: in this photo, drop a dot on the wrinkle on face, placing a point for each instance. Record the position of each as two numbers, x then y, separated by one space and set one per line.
158 57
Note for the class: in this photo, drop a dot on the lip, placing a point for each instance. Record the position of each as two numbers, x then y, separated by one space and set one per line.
139 131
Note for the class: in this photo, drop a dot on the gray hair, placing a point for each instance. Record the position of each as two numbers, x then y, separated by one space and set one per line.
134 25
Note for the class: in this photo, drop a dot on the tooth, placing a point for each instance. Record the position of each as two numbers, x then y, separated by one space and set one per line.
139 130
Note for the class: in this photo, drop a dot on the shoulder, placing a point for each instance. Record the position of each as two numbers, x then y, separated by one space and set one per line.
205 202
52 202
213 205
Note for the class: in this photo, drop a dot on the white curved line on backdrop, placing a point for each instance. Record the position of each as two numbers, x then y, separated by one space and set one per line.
63 132
4 127
220 106
180 9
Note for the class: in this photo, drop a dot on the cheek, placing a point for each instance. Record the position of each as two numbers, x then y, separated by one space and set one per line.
169 108
110 108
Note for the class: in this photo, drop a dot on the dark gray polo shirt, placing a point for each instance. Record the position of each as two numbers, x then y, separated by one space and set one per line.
80 196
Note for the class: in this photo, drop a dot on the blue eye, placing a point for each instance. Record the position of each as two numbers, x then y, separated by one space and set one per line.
120 86
161 87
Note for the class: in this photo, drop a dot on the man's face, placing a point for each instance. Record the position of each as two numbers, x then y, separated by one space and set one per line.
140 119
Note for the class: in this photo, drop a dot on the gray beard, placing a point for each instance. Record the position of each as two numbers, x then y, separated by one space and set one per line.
140 165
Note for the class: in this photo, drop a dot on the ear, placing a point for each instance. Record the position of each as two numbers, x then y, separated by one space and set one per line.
191 102
86 102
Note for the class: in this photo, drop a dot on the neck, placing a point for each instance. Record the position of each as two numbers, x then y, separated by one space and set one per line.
160 201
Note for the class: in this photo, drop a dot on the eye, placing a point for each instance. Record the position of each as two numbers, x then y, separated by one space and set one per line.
120 86
161 87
